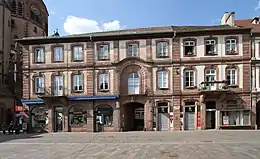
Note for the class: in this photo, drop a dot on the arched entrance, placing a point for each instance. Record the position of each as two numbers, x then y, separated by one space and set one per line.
258 115
104 118
77 118
39 119
133 116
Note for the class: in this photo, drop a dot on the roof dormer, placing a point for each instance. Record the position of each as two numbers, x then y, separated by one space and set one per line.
255 20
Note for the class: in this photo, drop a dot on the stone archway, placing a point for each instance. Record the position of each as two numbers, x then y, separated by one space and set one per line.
39 119
77 118
133 116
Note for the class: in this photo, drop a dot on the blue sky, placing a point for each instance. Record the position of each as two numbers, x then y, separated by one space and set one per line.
79 16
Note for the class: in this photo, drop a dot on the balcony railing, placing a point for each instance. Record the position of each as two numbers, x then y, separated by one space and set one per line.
213 86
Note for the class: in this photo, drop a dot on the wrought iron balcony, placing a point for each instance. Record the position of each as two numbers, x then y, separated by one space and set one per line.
213 86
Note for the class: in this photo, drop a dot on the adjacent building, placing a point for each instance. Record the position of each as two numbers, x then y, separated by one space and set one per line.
159 78
19 18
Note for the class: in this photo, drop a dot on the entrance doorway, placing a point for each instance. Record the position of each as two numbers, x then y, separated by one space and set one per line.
190 117
258 115
58 119
210 115
133 117
163 117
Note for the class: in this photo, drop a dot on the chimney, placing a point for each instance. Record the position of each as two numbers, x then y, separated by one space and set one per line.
224 18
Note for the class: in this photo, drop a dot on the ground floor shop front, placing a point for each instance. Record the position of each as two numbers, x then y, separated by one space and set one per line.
138 113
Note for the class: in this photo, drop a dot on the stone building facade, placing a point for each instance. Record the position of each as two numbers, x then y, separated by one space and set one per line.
19 18
163 78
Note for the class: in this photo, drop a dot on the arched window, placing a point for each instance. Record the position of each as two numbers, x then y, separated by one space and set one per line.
39 117
20 8
133 83
77 116
105 115
210 76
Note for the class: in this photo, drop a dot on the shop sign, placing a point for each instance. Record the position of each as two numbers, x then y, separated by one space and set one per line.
19 108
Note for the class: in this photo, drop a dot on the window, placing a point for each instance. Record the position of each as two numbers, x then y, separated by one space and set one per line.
103 53
236 117
13 7
58 54
162 49
77 53
20 8
105 115
103 81
39 117
58 85
35 29
211 48
77 116
232 76
39 84
132 50
162 78
211 77
189 48
133 83
39 55
189 78
231 46
77 83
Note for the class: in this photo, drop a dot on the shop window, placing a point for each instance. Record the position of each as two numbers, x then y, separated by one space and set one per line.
105 115
77 117
39 117
236 118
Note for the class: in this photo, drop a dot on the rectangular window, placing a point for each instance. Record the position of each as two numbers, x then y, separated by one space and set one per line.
58 54
189 78
58 85
232 77
189 48
39 84
132 50
39 55
162 77
236 117
77 53
103 81
103 52
133 83
78 83
211 48
231 46
162 49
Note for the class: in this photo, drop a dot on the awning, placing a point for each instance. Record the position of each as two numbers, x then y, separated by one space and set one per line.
32 102
91 98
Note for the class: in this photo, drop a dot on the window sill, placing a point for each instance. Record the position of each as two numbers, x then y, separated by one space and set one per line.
162 57
74 91
77 60
163 88
39 62
212 54
228 53
57 61
103 59
103 90
40 93
192 55
192 87
233 86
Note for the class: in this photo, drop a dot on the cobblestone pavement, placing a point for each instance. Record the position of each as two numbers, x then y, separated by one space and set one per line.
133 145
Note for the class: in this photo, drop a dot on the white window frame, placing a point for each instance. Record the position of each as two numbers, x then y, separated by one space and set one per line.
132 50
133 81
58 54
233 76
58 85
77 82
230 43
189 43
162 49
77 53
212 86
190 80
103 79
211 42
39 55
39 84
103 53
162 79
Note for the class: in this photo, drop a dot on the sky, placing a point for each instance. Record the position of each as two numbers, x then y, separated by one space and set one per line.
83 16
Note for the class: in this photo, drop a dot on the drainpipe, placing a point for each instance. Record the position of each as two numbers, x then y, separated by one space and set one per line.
172 105
250 72
94 85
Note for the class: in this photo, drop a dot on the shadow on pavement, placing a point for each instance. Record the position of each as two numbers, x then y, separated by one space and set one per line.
7 137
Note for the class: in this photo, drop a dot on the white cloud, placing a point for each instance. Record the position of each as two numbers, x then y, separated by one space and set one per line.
258 5
78 25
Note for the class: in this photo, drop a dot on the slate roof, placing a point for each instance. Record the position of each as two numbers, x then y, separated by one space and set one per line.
149 30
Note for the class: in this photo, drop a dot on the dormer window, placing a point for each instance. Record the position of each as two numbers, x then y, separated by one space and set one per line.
211 48
189 47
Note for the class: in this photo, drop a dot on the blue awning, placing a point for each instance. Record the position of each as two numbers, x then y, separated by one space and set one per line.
90 98
32 102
